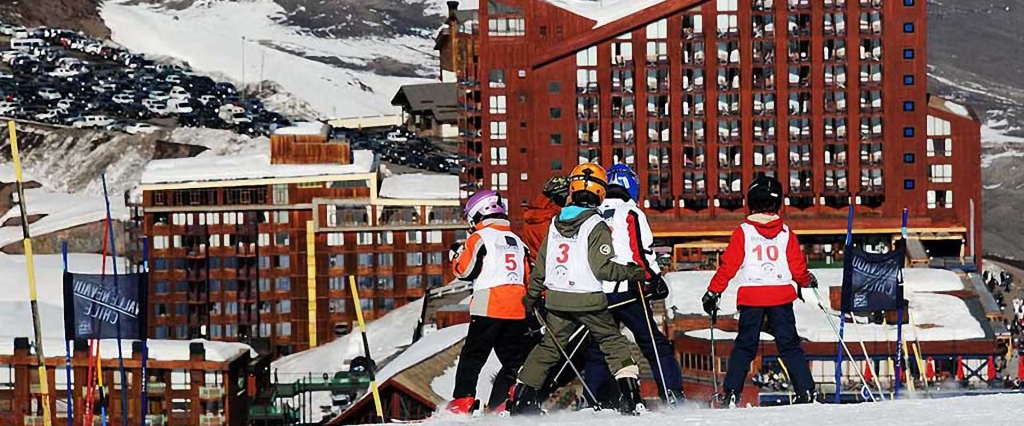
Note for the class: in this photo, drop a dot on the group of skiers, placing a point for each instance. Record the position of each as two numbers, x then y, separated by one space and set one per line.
582 267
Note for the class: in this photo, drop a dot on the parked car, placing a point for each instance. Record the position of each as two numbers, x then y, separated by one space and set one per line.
91 121
49 94
137 128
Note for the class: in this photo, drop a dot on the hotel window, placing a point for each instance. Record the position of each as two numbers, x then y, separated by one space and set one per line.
556 165
433 237
498 104
556 138
498 129
281 216
414 281
414 259
284 329
336 260
941 147
499 156
337 306
385 283
385 259
280 194
940 199
587 57
386 238
282 239
364 238
940 173
335 239
506 27
434 258
414 237
365 260
555 87
496 79
499 181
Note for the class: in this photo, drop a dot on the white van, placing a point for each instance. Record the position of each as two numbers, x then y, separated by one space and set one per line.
26 44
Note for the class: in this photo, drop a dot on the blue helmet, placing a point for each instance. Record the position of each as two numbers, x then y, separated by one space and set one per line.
621 175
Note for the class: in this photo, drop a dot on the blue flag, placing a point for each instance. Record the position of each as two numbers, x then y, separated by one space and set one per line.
873 282
96 306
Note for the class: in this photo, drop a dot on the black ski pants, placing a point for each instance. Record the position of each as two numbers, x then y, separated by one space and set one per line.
507 338
783 326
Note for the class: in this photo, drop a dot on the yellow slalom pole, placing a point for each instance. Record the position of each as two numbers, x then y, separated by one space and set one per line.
789 389
44 385
366 347
311 281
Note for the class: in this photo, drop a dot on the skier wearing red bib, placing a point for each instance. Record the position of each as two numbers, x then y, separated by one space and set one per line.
764 259
495 260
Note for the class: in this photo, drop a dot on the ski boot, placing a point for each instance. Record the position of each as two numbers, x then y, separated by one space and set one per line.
464 405
502 410
730 399
674 399
630 401
807 397
524 401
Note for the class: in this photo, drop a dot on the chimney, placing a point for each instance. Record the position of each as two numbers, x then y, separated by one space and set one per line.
453 33
196 351
22 347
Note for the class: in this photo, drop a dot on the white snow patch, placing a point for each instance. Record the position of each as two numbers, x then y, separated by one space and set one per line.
605 11
994 132
957 109
220 142
62 211
419 186
988 159
210 39
244 167
444 384
996 186
7 174
305 128
949 315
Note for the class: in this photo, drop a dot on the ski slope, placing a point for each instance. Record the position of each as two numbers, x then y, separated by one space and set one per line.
209 37
977 410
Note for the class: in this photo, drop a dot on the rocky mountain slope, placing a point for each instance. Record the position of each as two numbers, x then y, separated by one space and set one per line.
79 15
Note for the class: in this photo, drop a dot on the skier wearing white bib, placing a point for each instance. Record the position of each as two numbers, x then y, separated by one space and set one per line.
574 260
764 259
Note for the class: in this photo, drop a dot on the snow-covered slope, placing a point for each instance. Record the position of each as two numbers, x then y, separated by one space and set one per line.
247 40
978 410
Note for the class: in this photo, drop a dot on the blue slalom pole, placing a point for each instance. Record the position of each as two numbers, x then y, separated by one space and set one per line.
842 315
67 349
145 335
899 321
120 351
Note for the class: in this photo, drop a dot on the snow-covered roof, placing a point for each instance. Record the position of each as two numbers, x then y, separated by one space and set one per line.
15 312
215 168
310 128
419 186
949 106
387 335
7 174
62 210
604 11
948 316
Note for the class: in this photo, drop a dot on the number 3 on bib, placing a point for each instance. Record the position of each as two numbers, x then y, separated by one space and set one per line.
771 251
564 256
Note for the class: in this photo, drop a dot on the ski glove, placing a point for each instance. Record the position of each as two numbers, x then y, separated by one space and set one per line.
710 302
454 251
657 288
813 283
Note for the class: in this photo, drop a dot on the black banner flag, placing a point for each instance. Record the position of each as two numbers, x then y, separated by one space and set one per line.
873 282
96 306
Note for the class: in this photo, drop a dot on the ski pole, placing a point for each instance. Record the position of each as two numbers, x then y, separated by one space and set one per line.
714 359
669 397
571 365
573 353
843 344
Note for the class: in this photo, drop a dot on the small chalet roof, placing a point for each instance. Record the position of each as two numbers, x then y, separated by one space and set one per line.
437 99
246 167
419 186
946 105
306 128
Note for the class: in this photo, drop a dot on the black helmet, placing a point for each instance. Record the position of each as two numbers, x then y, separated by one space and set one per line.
557 190
764 195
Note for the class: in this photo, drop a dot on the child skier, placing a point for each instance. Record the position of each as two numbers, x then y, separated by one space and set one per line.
542 208
573 260
632 239
764 259
494 259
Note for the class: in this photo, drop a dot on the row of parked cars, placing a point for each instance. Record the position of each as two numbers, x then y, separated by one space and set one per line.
399 146
63 77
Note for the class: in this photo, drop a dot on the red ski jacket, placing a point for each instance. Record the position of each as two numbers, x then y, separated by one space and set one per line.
769 226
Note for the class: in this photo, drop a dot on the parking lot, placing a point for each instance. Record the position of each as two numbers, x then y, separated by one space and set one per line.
61 77
406 151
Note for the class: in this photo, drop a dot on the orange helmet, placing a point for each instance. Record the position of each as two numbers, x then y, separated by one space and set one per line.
588 184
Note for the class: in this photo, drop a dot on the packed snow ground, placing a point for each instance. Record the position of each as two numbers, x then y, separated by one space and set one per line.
976 410
209 37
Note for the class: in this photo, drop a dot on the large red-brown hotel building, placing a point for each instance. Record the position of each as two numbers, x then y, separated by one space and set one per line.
829 96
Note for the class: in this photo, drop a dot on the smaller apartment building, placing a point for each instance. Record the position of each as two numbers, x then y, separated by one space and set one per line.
262 246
